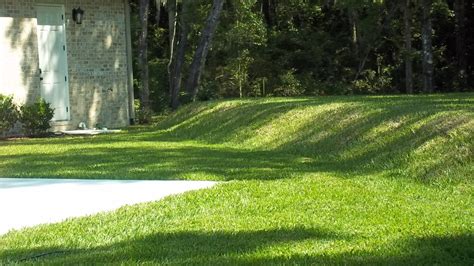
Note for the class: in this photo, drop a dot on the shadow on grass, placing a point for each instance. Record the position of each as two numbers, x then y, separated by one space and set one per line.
181 246
161 163
220 121
453 250
258 247
257 139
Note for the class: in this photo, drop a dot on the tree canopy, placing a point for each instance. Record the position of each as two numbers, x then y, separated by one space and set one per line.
304 47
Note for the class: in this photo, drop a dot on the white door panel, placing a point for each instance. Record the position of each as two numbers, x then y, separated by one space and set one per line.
53 59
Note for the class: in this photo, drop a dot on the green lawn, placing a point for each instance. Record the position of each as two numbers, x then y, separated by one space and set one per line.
334 180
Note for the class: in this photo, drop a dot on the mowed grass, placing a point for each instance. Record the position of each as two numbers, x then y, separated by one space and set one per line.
334 180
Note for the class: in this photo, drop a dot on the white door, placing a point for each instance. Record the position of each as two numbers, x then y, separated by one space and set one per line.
53 59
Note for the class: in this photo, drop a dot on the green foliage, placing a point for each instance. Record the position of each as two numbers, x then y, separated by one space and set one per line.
234 81
373 82
289 85
143 115
159 85
36 117
8 114
330 48
208 91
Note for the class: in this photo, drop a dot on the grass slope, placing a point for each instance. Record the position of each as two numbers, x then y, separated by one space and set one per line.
385 180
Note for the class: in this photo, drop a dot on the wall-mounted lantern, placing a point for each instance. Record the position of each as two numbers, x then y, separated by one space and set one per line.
77 15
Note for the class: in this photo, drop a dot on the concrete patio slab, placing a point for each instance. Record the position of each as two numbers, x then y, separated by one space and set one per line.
30 202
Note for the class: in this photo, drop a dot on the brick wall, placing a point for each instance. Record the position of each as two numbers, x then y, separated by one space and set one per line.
97 59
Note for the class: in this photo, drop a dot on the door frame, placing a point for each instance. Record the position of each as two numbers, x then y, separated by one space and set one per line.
68 116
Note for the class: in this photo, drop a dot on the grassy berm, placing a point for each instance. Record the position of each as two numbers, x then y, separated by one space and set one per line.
332 180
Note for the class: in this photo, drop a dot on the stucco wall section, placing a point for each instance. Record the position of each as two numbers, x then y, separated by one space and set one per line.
18 51
97 66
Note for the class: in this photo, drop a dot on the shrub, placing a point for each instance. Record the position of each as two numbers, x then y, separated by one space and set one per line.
143 115
8 114
208 91
371 81
289 85
36 117
159 85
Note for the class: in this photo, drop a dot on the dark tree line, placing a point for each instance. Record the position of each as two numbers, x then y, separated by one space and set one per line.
178 26
241 48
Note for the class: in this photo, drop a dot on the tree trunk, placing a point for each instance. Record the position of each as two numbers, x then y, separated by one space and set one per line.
172 21
407 18
353 18
240 81
362 54
143 54
199 59
269 12
177 65
461 54
158 12
427 46
329 3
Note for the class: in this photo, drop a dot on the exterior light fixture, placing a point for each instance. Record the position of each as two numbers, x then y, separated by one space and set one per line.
77 15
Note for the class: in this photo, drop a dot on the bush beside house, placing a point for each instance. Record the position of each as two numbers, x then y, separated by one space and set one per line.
8 114
35 118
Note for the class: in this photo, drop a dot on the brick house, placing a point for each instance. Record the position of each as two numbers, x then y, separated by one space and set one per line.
76 54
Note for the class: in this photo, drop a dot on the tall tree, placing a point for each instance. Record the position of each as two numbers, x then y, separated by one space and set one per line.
178 58
199 60
275 44
172 28
368 37
268 8
354 21
427 32
407 35
461 53
143 54
158 11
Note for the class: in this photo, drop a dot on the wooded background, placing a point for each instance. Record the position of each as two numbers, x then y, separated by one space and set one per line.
200 50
